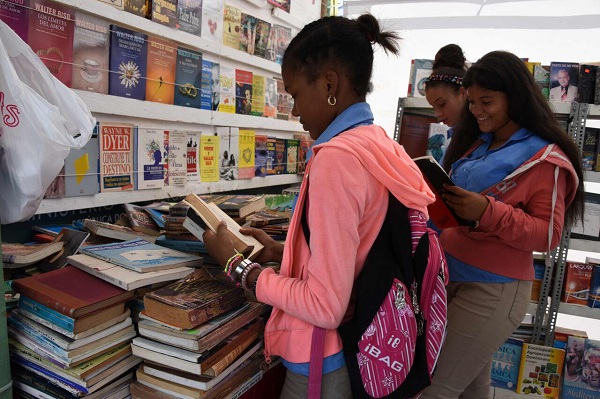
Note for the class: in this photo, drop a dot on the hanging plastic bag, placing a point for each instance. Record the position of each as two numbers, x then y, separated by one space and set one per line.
41 120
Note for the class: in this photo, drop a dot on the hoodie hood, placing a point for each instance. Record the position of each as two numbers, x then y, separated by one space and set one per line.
387 161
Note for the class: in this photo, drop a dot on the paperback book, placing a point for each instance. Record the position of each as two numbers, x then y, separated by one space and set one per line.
15 13
116 157
128 63
209 152
227 89
212 20
210 89
540 371
232 18
260 155
258 95
243 91
563 81
247 33
188 78
114 231
82 169
165 12
246 148
505 364
149 158
189 16
263 29
177 169
72 240
90 53
270 108
193 155
160 70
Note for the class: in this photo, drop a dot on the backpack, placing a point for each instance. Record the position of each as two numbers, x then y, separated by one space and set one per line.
392 343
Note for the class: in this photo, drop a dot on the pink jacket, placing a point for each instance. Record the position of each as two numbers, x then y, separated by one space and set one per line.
349 176
525 214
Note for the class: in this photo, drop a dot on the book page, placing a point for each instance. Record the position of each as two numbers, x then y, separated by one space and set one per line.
233 226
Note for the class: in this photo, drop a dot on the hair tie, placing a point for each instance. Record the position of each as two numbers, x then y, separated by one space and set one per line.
445 78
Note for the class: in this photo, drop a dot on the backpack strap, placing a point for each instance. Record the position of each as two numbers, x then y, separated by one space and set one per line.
315 373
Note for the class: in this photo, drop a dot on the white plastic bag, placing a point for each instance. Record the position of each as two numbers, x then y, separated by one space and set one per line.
41 120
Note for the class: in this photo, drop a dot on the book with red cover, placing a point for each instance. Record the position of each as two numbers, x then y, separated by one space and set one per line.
51 28
162 61
576 285
414 134
71 291
439 212
15 13
243 91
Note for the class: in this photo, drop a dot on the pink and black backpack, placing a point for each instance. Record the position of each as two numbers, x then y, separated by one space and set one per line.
392 343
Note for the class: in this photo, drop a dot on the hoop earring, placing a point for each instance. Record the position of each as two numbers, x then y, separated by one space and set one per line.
331 100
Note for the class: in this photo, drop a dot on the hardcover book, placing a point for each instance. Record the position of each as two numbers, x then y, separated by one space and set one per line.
210 89
505 364
291 155
125 278
227 89
540 371
50 36
232 18
576 286
15 13
442 215
177 170
263 29
128 61
55 289
165 12
209 152
260 155
141 256
212 20
258 95
247 33
189 16
243 92
563 81
195 300
270 109
90 53
82 169
161 65
246 150
150 158
188 78
116 157
193 156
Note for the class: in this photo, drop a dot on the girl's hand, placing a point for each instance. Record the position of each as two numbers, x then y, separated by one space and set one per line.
272 251
468 205
219 245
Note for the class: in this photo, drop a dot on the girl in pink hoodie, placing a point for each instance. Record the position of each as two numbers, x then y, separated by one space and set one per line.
352 167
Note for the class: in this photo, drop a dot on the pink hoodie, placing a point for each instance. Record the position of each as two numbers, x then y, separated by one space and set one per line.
349 176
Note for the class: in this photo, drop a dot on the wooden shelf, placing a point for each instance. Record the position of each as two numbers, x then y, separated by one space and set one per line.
111 198
127 107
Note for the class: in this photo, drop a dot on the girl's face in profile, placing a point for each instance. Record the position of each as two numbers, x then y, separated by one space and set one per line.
447 103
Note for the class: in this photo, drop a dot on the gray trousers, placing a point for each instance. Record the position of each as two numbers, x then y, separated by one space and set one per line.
335 385
480 318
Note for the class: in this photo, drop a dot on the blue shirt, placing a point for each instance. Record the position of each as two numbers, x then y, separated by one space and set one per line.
358 114
481 169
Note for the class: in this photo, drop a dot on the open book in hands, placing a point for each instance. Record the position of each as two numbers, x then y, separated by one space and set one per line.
202 215
440 213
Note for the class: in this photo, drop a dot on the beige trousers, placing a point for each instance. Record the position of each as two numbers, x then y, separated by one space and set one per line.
335 385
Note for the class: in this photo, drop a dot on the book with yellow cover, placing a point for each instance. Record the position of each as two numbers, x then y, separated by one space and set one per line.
540 371
209 150
232 18
246 148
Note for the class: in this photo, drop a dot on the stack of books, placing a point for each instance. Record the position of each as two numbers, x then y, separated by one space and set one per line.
70 339
199 338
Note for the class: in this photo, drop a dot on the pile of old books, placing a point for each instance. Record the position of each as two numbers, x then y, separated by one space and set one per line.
70 337
200 338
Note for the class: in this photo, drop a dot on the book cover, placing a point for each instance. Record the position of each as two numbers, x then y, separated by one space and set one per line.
193 246
140 220
283 4
149 157
271 51
128 60
192 155
56 189
188 78
442 215
18 254
239 206
72 240
280 161
82 169
284 99
271 155
597 89
232 18
263 28
243 91
125 278
594 295
55 289
291 155
420 70
505 364
166 135
587 83
228 146
247 33
589 151
563 81
438 140
540 371
539 268
246 167
209 153
414 133
227 89
161 66
260 155
141 8
283 36
258 95
581 377
114 231
165 12
116 157
212 20
141 256
303 149
15 13
270 96
190 302
90 53
189 16
576 285
541 75
531 65
210 90
177 170
50 36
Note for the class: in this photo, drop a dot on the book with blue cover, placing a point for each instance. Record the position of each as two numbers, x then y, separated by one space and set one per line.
505 364
188 78
128 61
141 256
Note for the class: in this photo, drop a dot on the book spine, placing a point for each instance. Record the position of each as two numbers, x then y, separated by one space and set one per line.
39 333
28 378
245 387
46 353
43 372
38 309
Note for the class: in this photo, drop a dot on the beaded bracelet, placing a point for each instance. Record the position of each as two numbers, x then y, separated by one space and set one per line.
229 264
